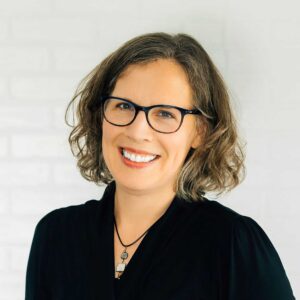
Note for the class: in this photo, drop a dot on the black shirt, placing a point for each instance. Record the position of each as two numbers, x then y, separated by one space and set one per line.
116 287
203 251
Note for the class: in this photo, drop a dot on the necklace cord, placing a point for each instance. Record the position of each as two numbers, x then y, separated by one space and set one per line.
120 237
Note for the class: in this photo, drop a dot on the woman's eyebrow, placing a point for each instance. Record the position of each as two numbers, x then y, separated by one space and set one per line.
175 105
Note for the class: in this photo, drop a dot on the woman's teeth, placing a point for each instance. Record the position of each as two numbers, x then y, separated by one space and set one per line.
138 158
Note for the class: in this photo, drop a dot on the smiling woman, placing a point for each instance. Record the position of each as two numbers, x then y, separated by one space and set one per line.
217 166
154 123
160 82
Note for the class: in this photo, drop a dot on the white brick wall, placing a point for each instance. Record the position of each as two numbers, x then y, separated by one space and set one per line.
47 46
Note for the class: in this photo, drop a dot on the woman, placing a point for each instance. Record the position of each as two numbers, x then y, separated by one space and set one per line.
154 123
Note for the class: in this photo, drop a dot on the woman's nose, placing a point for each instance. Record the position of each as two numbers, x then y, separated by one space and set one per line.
140 128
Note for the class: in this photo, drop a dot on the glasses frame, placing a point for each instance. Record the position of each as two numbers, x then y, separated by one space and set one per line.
146 109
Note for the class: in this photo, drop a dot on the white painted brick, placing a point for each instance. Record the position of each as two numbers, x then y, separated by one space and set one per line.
3 29
203 30
41 201
279 228
282 143
90 7
60 124
248 64
189 9
283 62
17 7
26 145
14 58
43 88
4 201
245 87
252 205
35 202
283 120
219 57
281 10
68 174
254 119
59 118
286 33
14 230
76 59
246 36
53 29
125 32
288 176
3 146
256 150
282 95
138 10
272 147
281 203
12 285
282 173
258 175
23 173
4 258
19 258
24 117
246 10
3 88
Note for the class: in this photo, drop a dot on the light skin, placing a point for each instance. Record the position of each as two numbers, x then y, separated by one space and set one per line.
143 195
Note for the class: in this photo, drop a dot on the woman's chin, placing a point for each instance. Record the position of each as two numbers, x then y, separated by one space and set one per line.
135 184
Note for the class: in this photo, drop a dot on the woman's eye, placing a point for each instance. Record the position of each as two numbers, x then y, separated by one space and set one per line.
124 106
166 114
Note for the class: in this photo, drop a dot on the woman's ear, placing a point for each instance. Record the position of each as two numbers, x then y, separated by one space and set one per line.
199 135
197 141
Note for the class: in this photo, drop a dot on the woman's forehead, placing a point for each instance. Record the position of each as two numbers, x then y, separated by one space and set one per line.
158 82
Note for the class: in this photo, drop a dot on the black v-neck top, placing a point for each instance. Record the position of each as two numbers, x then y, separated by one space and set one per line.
203 251
116 287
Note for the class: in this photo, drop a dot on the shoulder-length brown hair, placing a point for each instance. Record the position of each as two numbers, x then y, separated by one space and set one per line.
216 166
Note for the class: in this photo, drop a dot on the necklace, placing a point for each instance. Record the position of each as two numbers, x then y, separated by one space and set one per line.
124 255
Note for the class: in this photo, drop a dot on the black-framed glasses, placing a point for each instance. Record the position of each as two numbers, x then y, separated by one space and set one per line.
162 118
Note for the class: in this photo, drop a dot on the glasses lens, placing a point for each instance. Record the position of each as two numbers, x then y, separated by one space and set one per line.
118 112
165 119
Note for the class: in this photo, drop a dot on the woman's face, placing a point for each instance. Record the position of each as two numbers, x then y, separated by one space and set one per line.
159 82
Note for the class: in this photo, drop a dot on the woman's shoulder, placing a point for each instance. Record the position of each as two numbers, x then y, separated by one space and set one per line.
240 229
245 249
69 215
226 225
219 214
242 233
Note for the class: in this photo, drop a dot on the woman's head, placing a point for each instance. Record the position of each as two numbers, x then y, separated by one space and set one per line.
158 82
204 155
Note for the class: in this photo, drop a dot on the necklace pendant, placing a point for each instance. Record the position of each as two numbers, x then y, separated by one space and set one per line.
124 254
121 267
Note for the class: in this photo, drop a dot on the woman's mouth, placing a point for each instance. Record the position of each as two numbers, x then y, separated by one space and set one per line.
137 160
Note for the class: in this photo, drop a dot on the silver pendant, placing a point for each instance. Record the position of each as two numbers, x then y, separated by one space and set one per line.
121 266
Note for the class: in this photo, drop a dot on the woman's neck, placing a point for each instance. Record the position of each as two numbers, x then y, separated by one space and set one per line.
136 209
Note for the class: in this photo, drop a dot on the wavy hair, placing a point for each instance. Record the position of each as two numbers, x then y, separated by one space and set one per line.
215 166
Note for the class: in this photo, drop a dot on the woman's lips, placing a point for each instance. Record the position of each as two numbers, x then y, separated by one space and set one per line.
136 165
135 151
